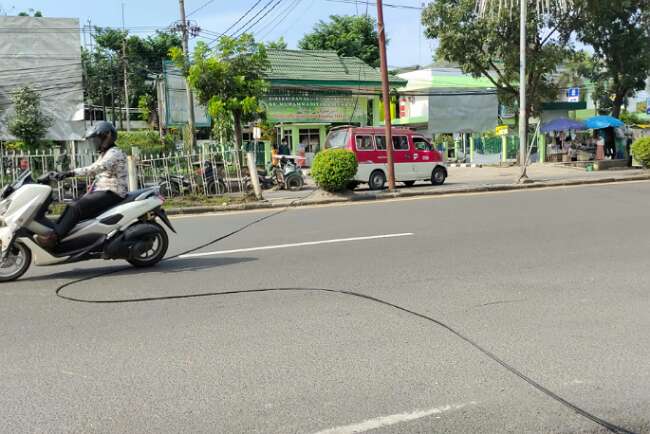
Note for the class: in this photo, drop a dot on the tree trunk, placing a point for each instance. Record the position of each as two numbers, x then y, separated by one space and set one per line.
238 133
618 102
238 136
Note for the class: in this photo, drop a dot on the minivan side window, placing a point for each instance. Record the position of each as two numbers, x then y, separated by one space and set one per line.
380 142
400 143
364 143
421 144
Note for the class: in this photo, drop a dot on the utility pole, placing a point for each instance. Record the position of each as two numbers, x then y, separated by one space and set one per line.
386 95
523 112
112 91
126 76
126 87
186 54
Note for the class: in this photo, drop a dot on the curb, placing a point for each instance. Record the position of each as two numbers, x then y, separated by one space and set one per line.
364 197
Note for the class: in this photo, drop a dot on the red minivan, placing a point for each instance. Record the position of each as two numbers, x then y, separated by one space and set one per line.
413 156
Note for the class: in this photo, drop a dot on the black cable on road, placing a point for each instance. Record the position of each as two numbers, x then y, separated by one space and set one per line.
578 410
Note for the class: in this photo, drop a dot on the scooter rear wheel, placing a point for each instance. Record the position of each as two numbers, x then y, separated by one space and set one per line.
294 182
16 264
156 251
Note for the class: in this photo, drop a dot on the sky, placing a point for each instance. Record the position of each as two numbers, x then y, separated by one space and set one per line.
290 19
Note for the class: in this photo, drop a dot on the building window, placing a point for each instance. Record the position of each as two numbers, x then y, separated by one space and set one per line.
310 139
364 143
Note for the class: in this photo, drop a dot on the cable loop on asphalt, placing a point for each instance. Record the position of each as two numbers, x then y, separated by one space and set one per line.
578 410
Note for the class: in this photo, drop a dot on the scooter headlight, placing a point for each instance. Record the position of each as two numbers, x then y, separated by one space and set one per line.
4 206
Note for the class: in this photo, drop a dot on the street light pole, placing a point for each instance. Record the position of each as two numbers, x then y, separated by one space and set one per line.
386 95
523 112
186 54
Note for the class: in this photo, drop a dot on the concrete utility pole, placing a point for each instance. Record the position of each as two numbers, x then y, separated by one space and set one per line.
523 113
186 53
386 95
126 87
126 77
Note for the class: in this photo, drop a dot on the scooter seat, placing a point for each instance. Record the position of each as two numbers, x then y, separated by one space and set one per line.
133 195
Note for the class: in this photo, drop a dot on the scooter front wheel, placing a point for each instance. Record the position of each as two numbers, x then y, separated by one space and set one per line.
16 264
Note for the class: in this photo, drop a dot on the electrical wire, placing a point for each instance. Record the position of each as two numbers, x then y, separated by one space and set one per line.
204 5
274 22
251 24
489 354
367 3
248 11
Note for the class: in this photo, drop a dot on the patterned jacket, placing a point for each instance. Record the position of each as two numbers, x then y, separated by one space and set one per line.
110 172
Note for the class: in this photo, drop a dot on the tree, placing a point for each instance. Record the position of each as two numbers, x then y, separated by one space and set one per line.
488 46
279 44
144 57
31 13
229 80
619 33
29 124
349 36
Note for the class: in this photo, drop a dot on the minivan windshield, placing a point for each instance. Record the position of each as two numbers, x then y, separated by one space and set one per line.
337 139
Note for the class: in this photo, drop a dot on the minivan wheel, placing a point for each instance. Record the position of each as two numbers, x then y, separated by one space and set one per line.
438 176
377 180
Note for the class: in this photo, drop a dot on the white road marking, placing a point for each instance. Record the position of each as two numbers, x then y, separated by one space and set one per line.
393 419
285 246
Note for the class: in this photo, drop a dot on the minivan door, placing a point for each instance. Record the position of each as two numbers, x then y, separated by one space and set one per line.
402 156
424 157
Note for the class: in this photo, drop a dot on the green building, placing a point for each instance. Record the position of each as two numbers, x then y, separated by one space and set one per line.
311 91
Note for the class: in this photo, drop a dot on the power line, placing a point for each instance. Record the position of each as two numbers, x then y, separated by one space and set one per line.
271 25
368 3
250 24
200 8
244 16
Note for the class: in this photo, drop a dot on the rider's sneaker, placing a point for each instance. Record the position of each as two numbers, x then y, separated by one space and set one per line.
47 241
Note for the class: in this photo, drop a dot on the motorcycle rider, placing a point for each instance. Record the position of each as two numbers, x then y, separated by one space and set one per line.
108 189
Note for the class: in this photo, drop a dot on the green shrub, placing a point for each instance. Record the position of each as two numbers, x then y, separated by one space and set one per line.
333 169
148 141
641 151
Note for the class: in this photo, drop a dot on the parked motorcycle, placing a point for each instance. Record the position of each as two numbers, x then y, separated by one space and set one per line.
128 231
287 176
174 185
213 183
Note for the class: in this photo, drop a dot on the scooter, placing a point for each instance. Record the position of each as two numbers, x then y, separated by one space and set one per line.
128 231
287 176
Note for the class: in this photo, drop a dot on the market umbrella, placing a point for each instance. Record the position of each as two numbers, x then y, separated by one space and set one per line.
600 122
562 124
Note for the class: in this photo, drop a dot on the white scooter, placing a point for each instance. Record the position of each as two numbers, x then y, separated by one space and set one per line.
127 231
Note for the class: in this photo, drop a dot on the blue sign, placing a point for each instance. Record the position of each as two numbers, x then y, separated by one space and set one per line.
647 107
573 94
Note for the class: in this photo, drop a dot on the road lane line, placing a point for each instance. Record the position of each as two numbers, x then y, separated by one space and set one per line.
285 246
392 419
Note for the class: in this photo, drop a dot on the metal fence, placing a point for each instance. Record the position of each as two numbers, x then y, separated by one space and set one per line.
210 172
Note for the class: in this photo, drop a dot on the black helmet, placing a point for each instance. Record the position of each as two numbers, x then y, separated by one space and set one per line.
102 129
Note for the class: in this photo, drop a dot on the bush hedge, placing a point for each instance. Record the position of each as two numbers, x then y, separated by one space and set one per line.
333 169
641 151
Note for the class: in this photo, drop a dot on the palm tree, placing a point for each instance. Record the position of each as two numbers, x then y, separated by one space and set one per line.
487 7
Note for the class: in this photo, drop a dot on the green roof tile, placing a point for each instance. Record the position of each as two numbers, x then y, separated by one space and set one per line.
322 68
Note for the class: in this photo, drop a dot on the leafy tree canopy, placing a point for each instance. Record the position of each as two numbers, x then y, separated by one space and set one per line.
349 36
29 124
229 79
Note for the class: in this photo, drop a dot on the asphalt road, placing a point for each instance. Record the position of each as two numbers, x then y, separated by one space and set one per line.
553 282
